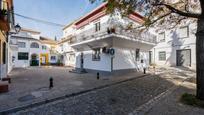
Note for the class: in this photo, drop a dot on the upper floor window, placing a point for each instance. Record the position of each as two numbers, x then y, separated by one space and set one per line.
161 37
62 47
21 44
162 56
97 26
34 45
183 32
44 47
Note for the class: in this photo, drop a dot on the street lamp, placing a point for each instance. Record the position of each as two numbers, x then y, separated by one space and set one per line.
17 28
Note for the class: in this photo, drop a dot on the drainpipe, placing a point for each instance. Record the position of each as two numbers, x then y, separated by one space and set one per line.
154 56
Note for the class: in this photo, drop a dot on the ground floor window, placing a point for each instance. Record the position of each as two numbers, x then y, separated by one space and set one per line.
137 54
162 56
22 56
4 53
71 57
53 58
96 55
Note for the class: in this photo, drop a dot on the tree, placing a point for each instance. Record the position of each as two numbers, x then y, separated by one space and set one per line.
170 12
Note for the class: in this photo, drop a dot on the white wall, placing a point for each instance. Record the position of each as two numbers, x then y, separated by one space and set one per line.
103 65
173 42
38 51
125 59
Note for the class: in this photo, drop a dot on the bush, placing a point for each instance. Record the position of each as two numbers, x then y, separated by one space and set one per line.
191 99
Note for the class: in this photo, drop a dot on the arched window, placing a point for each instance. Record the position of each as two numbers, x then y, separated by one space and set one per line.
34 45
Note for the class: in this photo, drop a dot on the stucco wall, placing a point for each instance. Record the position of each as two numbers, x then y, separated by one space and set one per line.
125 59
103 65
173 43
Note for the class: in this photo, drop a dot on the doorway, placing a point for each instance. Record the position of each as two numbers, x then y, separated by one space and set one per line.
34 60
150 57
183 57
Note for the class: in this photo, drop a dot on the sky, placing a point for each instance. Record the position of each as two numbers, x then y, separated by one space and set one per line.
57 11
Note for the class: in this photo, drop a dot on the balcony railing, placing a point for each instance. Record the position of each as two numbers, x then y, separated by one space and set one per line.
119 32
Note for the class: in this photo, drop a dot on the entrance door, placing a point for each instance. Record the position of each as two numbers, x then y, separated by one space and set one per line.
150 57
183 57
34 61
82 61
43 60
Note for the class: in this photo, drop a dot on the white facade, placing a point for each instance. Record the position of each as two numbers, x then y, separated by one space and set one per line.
27 49
174 41
93 39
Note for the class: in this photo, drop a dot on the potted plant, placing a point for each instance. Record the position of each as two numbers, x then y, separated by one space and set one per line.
113 30
3 14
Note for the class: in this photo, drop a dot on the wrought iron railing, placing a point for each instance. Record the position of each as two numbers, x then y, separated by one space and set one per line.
131 34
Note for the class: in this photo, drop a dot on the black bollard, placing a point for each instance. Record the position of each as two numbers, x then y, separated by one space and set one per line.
97 75
51 83
144 70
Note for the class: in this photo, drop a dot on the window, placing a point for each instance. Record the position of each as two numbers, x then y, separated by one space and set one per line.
22 56
53 58
4 53
97 26
44 47
162 56
137 54
161 37
21 44
62 47
34 45
183 32
96 55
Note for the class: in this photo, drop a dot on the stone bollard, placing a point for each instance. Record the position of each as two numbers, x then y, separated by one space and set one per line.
51 83
97 75
144 70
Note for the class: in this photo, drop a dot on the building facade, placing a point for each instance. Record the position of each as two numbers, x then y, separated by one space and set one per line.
28 48
6 24
104 43
176 47
67 57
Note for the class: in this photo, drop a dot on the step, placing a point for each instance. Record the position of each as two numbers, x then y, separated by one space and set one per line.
4 86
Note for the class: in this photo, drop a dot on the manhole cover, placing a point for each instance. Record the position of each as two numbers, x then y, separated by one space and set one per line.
26 98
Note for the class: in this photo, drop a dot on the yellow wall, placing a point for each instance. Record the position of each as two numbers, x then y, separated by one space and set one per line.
46 55
2 40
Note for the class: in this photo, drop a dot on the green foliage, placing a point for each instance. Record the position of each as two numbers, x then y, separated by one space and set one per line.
191 99
3 12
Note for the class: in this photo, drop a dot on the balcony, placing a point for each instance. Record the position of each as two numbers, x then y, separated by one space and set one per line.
118 35
4 16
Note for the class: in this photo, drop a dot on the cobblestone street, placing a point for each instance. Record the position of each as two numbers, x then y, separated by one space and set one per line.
84 94
118 100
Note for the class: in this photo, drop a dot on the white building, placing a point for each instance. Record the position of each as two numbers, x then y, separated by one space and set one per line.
104 43
28 48
67 53
176 47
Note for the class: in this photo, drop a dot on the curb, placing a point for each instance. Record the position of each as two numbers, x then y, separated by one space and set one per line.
23 107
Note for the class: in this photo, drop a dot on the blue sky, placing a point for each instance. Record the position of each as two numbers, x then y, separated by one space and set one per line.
58 11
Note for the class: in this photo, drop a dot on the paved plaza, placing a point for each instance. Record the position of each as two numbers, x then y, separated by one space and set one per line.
133 93
31 85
